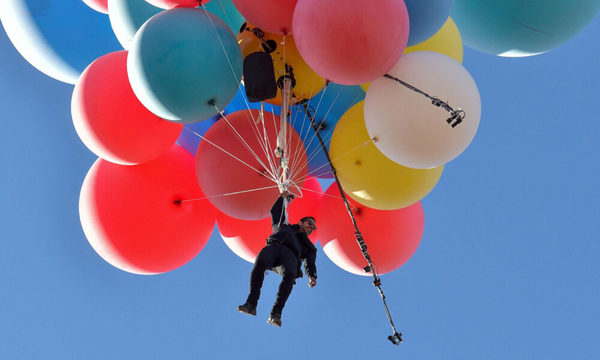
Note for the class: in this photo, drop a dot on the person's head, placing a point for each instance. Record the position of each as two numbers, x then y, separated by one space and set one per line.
307 225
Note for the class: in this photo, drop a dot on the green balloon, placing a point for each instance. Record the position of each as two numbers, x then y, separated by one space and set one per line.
184 65
227 12
517 28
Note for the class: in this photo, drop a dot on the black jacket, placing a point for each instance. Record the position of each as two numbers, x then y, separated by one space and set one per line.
288 236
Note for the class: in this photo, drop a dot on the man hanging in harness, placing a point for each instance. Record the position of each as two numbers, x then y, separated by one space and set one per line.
286 248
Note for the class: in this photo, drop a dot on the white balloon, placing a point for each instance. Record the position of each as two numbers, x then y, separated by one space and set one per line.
406 126
60 38
128 16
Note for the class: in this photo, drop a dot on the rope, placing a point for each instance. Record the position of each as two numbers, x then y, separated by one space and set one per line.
396 337
456 116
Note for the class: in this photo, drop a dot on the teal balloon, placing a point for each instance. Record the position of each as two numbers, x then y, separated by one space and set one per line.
58 37
517 28
128 16
184 64
225 10
426 18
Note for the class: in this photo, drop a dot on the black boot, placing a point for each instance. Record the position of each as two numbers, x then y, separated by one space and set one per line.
274 320
247 308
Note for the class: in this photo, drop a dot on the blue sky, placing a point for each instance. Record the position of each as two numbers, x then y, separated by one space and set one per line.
508 267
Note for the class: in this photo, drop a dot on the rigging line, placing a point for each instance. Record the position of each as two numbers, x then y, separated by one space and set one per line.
327 163
396 337
354 208
266 138
259 138
313 136
226 152
239 81
314 153
456 116
246 145
306 145
227 194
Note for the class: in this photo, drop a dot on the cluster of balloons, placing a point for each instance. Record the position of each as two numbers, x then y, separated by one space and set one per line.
159 97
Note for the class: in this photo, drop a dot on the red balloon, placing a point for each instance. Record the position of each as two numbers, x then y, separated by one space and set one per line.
228 170
244 237
132 217
307 205
170 4
351 42
111 121
274 16
392 237
98 5
247 237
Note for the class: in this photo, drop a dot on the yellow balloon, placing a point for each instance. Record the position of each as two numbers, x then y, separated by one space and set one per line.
368 176
446 41
286 61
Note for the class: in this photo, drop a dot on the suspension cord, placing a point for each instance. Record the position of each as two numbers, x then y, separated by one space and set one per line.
396 337
456 116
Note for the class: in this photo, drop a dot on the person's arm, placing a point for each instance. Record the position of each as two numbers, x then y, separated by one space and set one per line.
278 212
310 268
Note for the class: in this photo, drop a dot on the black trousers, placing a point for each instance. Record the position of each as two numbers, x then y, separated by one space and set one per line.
286 262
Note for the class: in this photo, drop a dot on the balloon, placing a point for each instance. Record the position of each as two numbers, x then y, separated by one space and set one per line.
446 41
327 107
426 18
127 16
232 159
307 205
246 238
60 38
241 102
350 43
131 217
98 5
190 137
169 4
111 121
407 127
392 237
368 176
184 65
287 62
517 28
274 16
226 10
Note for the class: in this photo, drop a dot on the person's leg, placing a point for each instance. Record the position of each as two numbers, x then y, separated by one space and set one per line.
289 263
265 260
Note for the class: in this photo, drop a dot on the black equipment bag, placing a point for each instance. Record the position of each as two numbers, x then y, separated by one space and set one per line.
259 77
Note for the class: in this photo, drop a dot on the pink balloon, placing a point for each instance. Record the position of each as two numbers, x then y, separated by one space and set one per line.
228 170
111 121
350 42
98 5
132 217
392 237
274 16
247 237
170 4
